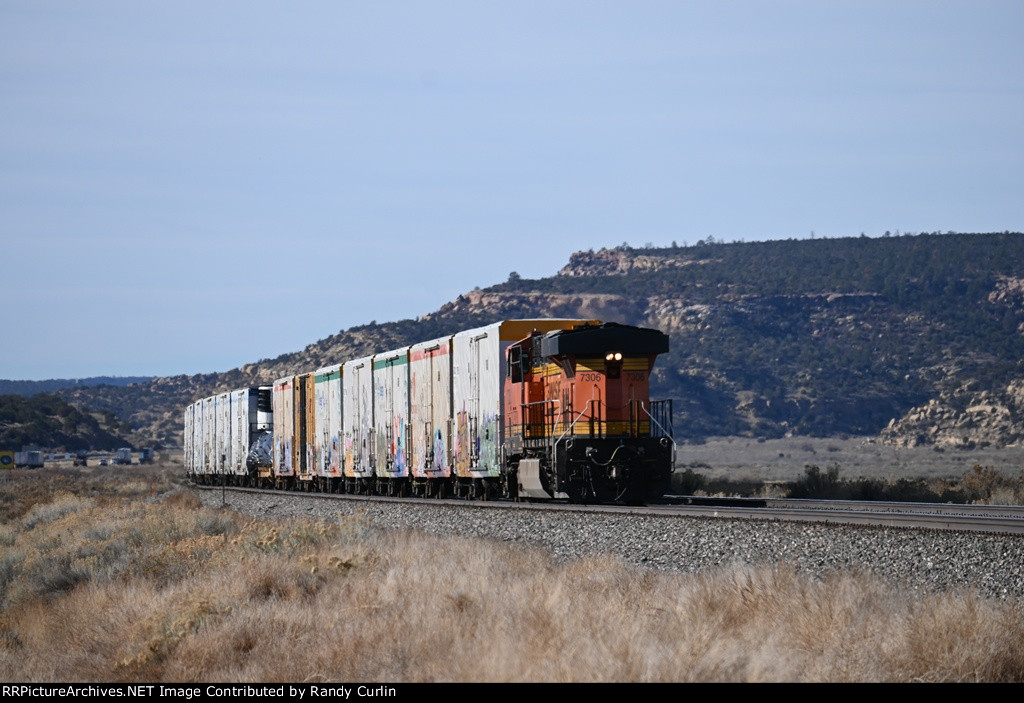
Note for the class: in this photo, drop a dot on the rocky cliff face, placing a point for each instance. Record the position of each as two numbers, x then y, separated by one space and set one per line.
502 305
621 262
963 418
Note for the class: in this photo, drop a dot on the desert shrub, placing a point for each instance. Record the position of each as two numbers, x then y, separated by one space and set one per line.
818 484
983 484
184 498
98 532
733 487
868 489
210 523
7 535
45 513
909 490
980 481
10 566
772 489
50 577
903 489
688 482
1003 495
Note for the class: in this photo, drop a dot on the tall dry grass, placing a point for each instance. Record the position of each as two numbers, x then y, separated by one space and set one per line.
147 585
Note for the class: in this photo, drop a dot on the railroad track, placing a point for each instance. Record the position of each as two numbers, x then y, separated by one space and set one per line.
1001 519
996 519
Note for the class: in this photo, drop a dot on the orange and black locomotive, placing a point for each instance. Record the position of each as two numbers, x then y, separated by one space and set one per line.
579 422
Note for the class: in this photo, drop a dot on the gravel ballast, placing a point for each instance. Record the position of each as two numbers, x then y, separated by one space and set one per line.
993 565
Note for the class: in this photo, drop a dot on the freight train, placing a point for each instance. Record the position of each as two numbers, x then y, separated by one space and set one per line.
519 409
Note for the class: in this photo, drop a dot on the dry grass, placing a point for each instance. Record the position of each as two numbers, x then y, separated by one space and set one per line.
119 586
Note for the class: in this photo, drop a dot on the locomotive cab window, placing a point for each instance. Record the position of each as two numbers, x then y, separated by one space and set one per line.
515 364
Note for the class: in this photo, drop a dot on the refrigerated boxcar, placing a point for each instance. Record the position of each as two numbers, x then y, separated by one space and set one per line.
328 445
430 412
357 423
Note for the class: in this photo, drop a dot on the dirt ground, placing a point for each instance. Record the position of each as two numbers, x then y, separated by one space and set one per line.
858 457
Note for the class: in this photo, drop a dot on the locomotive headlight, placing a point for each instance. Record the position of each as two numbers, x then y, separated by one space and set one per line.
618 356
609 356
613 356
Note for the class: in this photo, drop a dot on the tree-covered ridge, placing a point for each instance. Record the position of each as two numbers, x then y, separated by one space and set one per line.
907 268
808 337
9 387
47 421
817 337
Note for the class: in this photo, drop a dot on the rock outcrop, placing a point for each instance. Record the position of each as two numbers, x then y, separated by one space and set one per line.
963 418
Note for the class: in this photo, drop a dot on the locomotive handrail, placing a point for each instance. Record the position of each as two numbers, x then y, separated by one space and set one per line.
667 433
573 423
523 406
660 426
554 446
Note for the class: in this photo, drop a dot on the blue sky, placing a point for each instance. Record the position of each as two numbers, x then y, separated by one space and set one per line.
186 187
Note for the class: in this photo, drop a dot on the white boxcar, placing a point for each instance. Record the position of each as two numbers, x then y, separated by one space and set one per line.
284 426
195 416
197 437
188 447
391 413
224 431
328 448
478 357
239 440
209 466
430 414
357 420
219 430
246 420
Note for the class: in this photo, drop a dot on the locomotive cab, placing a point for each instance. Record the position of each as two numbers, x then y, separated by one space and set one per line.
579 422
